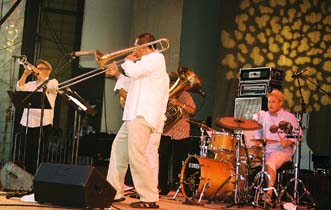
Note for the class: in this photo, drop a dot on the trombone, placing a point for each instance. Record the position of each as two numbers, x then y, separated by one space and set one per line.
104 60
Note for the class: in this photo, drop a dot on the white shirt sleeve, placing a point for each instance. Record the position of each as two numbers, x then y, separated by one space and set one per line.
143 67
122 82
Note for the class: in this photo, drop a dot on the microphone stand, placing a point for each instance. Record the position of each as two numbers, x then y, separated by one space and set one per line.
296 198
317 86
80 105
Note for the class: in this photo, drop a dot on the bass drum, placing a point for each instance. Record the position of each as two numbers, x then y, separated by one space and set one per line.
203 173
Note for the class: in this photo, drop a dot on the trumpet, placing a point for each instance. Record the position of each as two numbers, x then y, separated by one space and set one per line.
23 60
104 60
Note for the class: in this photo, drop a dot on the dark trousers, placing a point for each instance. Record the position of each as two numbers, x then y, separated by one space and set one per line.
32 144
177 151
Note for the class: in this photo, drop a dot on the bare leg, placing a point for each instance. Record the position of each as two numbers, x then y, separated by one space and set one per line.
270 183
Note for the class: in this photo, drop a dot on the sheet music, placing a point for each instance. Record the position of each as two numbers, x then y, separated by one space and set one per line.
78 103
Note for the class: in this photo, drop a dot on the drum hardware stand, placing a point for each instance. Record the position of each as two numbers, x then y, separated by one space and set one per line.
177 192
259 180
206 185
246 154
236 190
239 134
203 191
201 194
203 146
203 153
296 197
79 105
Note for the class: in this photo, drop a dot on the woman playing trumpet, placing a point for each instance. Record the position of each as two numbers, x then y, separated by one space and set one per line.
31 121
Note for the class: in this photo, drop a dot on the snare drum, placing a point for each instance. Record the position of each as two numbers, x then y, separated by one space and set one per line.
222 142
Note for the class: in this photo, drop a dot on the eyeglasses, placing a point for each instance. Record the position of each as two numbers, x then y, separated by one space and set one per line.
44 69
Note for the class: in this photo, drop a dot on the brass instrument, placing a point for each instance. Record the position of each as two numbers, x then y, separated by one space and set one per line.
23 60
187 81
104 60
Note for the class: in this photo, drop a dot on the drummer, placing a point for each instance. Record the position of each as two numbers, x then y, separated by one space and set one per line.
277 124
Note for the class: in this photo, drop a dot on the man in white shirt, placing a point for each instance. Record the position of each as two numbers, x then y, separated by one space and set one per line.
144 114
32 123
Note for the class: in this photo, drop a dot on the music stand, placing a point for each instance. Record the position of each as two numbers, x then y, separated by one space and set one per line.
29 100
24 99
80 105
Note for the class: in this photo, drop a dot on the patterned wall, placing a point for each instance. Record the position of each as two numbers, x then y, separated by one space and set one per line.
289 35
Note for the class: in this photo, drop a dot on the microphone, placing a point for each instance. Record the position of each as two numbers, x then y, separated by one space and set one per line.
198 89
298 73
82 53
201 92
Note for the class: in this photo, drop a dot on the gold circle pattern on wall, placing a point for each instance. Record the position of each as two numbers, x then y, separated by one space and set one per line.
286 34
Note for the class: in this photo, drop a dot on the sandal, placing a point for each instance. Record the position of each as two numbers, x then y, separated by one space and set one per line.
135 195
119 199
142 204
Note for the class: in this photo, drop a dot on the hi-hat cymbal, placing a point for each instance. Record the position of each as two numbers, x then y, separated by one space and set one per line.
238 123
201 125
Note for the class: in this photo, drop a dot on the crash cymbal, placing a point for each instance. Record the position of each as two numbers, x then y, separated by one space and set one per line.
238 123
201 125
268 141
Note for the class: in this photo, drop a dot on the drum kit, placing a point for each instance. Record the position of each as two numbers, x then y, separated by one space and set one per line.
224 177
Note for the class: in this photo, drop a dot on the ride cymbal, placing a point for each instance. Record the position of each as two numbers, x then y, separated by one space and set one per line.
238 123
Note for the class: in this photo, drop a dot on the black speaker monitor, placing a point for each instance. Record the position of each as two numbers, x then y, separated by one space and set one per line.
14 178
71 185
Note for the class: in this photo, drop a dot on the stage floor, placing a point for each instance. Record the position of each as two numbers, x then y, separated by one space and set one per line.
165 203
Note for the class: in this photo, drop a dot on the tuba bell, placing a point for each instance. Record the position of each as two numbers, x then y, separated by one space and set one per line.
187 81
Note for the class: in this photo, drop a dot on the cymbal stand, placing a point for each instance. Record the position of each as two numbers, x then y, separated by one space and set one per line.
296 196
203 143
238 163
237 199
260 179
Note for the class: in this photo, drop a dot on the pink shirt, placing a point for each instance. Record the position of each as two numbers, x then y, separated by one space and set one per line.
181 129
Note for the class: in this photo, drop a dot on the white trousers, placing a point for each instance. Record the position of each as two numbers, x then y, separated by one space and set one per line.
129 147
152 154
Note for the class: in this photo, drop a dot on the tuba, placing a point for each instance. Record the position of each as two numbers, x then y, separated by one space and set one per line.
187 81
